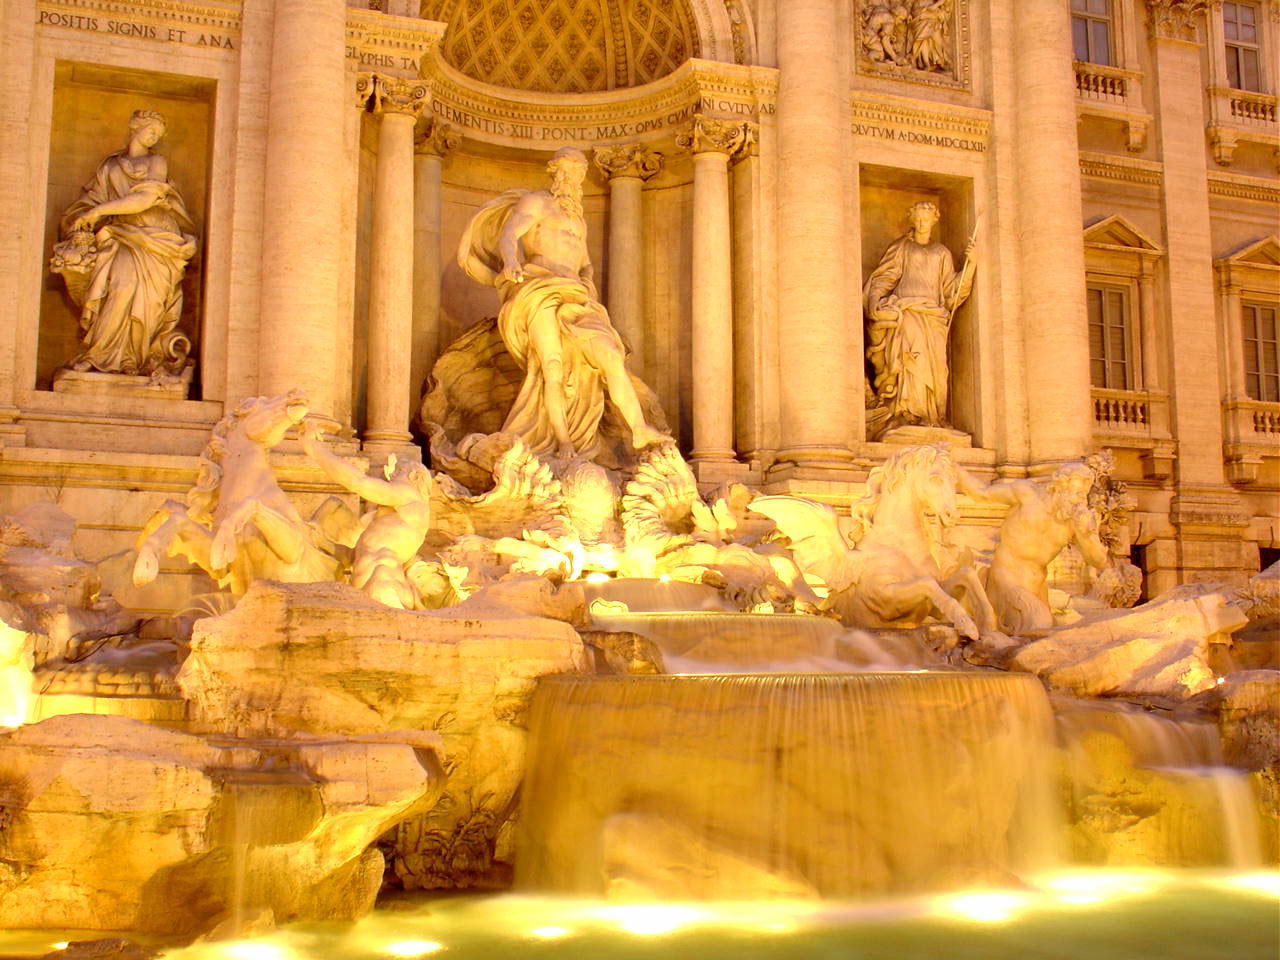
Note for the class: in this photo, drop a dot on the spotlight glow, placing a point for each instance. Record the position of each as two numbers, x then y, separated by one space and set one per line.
62 945
1092 886
412 948
1265 882
549 933
649 920
597 577
248 950
986 906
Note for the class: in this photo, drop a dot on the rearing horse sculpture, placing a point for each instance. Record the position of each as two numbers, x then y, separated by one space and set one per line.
895 574
237 524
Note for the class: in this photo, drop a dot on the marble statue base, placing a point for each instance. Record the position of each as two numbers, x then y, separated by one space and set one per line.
95 383
914 434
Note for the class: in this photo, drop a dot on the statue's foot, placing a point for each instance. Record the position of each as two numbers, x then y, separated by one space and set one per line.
644 435
565 451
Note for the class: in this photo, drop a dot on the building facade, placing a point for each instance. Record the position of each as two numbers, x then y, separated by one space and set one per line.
1111 167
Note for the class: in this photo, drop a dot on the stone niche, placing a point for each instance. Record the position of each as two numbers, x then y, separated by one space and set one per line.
92 105
887 193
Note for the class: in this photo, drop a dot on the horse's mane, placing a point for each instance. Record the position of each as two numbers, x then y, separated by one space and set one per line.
889 476
202 499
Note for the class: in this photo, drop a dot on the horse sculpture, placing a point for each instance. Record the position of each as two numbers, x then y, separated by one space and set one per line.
237 524
896 573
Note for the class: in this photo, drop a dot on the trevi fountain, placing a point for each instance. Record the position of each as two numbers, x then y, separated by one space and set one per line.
358 602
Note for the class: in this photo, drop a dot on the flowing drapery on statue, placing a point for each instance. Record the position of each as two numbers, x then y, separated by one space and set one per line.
910 299
578 316
123 256
531 246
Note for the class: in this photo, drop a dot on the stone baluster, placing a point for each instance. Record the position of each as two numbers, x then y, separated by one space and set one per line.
813 337
300 318
627 166
435 140
397 104
712 142
1054 308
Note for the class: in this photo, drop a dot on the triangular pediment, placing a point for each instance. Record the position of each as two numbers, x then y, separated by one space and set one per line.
1116 231
1259 253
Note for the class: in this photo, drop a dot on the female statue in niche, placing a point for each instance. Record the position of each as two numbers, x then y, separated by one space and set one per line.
123 254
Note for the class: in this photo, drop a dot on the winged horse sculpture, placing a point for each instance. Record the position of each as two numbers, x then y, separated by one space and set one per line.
895 572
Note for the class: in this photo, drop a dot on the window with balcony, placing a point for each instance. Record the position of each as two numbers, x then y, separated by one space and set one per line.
1091 31
1109 362
1240 33
1261 352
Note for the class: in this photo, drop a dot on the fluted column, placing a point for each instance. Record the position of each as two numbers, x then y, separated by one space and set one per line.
435 140
1054 309
627 166
301 245
813 338
712 142
397 104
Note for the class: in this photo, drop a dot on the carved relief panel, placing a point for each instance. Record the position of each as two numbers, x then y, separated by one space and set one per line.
918 41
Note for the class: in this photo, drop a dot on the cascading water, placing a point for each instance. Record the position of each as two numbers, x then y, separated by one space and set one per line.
786 784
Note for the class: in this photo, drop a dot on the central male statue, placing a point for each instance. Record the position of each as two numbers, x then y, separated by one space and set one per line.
532 246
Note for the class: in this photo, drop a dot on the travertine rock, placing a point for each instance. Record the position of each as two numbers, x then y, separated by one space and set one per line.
114 824
305 658
1120 814
1247 706
1158 649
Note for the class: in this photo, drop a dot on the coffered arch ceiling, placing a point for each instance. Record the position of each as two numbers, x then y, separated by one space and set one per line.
566 46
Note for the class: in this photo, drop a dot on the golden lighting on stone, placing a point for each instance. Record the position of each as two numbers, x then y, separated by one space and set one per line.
597 577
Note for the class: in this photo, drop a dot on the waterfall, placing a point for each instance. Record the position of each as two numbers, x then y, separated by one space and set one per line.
787 784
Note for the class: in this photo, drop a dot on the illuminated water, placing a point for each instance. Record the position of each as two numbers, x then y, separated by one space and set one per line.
1094 915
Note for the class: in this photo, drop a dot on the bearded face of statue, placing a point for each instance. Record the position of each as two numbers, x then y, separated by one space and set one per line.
1070 492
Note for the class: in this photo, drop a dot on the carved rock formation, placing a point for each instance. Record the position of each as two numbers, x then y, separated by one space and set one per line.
113 824
315 658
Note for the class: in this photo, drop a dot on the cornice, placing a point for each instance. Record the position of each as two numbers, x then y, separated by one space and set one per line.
652 112
1239 187
888 117
222 16
1109 166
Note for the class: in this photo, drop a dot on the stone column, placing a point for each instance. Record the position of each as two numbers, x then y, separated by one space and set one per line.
397 104
712 142
1051 256
435 140
1206 512
626 166
813 336
301 248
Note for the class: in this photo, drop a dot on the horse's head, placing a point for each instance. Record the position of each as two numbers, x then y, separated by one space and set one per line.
265 420
923 476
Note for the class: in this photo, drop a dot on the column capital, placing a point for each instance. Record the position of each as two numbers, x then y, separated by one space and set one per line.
627 160
433 137
1176 19
381 94
711 135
